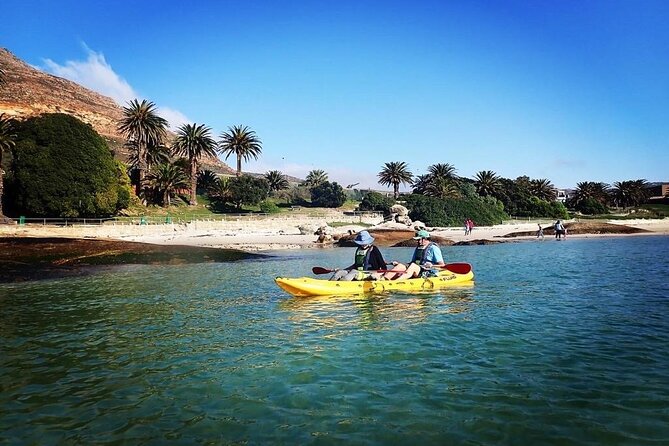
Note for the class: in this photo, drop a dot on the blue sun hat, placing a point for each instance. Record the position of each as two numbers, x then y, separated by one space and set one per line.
363 238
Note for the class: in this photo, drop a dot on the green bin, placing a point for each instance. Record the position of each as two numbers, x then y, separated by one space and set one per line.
168 220
22 220
142 221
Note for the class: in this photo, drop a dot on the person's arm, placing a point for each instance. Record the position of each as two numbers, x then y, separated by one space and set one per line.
437 256
377 261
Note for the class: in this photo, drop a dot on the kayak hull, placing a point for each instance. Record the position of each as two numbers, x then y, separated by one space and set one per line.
308 286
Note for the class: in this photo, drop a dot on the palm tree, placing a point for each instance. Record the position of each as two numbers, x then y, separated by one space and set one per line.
193 142
487 183
395 173
277 181
420 184
7 141
220 191
143 128
442 170
440 187
315 178
543 190
154 155
206 180
630 193
167 178
241 141
589 189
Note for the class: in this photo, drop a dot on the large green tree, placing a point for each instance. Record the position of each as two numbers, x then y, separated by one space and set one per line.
143 128
62 168
393 174
7 141
193 142
242 142
328 195
247 190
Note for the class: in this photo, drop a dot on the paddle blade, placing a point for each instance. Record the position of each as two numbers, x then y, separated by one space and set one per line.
458 268
321 270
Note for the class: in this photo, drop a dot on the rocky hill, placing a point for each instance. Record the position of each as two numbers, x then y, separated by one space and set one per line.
29 92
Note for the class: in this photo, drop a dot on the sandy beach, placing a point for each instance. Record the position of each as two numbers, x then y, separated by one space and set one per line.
296 232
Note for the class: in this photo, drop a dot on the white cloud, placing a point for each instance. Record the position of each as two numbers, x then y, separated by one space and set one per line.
96 74
174 117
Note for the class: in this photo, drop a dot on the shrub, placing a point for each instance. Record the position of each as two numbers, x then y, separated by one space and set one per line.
592 206
328 195
269 207
62 168
453 212
374 201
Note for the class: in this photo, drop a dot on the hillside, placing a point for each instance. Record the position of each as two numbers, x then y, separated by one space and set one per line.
29 92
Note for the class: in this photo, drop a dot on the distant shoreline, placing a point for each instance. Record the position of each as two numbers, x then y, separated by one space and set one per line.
30 253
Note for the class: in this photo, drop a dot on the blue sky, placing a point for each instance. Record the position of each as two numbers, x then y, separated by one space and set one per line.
569 91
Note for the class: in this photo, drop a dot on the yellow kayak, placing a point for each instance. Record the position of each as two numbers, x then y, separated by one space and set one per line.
308 286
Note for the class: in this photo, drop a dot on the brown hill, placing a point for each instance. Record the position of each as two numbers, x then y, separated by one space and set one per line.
29 92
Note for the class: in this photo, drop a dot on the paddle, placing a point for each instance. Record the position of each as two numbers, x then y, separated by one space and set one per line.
458 268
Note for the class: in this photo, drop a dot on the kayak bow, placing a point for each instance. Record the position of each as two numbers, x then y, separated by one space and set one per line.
308 286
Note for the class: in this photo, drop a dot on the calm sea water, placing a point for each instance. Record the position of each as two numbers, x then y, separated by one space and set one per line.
556 343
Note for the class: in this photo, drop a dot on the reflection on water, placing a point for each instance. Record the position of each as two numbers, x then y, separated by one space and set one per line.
556 343
376 310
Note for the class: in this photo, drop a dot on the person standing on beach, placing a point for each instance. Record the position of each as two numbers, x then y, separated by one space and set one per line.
367 258
559 230
426 256
540 232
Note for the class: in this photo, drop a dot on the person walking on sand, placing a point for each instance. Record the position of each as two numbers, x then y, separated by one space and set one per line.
559 230
426 256
368 257
540 232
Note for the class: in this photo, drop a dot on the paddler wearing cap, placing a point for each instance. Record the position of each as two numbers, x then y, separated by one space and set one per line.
368 257
426 256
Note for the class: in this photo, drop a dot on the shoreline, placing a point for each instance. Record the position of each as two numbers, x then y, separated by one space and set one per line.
38 252
299 233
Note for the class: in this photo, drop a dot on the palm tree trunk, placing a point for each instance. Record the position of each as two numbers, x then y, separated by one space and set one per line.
239 166
396 190
142 174
2 174
193 182
166 197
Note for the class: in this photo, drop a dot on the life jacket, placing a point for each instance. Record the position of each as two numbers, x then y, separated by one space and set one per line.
421 253
362 259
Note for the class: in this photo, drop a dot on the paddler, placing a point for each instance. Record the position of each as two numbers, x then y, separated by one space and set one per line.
426 257
368 258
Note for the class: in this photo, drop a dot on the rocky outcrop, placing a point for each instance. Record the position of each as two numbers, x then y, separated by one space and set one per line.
29 92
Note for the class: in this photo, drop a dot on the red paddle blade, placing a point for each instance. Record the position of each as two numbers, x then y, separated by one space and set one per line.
458 268
320 270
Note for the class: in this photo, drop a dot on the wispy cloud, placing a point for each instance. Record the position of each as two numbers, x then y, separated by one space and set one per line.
174 117
96 74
